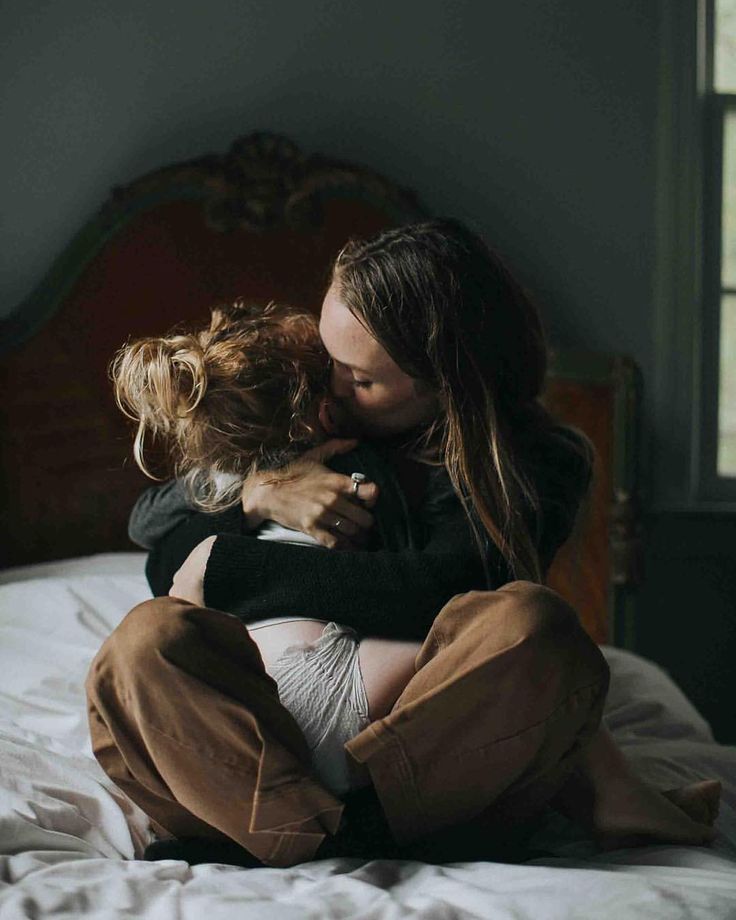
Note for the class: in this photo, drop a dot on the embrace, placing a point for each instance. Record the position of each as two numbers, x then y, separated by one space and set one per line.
351 650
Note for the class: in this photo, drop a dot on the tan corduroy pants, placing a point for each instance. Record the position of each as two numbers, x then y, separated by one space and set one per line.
183 717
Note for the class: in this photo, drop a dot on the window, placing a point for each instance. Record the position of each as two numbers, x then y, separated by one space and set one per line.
720 259
692 390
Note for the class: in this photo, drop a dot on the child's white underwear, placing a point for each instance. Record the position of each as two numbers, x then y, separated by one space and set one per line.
322 687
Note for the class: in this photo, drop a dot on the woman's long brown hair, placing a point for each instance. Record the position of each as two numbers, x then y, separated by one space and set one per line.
452 316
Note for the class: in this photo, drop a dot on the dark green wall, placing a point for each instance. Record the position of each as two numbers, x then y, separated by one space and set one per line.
540 122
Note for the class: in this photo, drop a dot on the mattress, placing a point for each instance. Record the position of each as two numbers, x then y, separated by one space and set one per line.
71 842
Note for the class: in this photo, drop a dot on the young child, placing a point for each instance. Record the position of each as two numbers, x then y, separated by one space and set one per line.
244 393
249 392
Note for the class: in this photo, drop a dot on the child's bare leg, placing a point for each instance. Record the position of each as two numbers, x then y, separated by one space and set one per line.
607 797
387 667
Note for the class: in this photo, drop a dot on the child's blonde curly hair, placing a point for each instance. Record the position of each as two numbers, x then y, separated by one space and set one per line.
237 396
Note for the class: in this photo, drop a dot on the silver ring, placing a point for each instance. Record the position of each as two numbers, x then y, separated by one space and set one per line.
357 478
337 523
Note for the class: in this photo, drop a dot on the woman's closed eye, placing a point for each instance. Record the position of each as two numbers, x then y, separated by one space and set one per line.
359 383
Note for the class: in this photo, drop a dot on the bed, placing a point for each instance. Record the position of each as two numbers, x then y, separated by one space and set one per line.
161 250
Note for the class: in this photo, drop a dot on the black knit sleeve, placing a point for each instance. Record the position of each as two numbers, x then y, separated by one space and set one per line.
171 550
393 594
389 594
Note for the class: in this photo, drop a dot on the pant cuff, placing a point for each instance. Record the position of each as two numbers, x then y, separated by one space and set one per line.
393 780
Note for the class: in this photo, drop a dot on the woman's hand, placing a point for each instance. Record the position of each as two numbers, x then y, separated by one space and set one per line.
310 498
189 580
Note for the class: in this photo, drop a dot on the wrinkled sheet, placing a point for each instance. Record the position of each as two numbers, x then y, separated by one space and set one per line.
69 839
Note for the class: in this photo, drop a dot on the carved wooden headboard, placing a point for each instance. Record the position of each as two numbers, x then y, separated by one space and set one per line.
263 221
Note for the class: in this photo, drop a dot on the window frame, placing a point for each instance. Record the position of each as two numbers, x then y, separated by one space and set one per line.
681 394
716 107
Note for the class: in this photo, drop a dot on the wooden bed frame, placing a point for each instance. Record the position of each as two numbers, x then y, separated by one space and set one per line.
262 221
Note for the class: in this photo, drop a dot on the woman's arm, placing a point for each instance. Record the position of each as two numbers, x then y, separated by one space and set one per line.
303 497
392 594
309 496
307 501
170 552
385 594
395 594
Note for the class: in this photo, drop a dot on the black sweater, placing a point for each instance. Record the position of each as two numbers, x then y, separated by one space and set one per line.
393 593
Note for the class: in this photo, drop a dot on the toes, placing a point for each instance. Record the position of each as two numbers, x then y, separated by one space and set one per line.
700 801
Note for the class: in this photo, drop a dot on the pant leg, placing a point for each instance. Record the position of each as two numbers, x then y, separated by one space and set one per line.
184 718
507 690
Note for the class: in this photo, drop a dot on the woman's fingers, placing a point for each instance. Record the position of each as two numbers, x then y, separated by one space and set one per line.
340 526
309 497
333 540
365 492
351 512
343 525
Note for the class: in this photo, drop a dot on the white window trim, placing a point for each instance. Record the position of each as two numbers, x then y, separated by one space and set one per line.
684 387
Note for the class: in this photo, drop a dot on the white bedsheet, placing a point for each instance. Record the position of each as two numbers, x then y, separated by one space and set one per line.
69 838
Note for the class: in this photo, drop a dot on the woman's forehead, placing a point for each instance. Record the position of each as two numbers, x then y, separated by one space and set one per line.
349 342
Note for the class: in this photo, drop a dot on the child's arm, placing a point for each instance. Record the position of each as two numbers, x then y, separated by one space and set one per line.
157 512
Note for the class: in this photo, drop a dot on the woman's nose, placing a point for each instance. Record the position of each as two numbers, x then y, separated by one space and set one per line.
340 387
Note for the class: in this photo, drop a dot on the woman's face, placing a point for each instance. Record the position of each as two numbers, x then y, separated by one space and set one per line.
371 395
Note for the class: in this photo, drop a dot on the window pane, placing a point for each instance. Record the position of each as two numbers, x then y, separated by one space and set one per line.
727 389
725 47
728 254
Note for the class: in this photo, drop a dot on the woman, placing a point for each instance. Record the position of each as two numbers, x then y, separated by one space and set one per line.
248 392
438 353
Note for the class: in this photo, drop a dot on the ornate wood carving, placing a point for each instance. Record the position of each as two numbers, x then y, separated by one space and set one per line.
265 181
263 184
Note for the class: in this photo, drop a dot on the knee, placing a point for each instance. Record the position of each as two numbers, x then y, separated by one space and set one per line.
136 646
531 609
552 629
541 611
518 612
151 628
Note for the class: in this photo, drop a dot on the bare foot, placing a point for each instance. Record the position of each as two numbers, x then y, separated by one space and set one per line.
631 813
700 801
607 797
